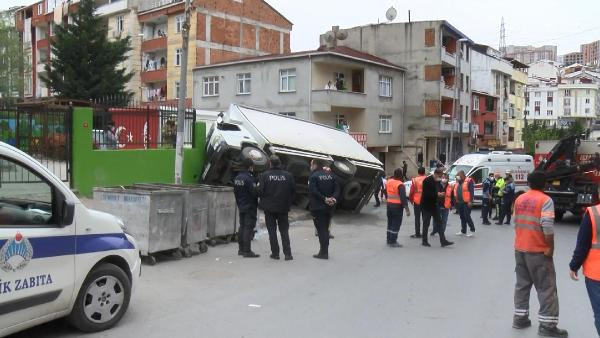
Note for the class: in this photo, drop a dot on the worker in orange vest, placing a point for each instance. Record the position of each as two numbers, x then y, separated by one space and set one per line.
587 254
447 205
416 192
396 204
534 248
464 190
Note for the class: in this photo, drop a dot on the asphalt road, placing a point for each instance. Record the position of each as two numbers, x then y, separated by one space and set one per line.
365 290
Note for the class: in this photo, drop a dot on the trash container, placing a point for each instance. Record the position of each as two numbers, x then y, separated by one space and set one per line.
152 216
221 212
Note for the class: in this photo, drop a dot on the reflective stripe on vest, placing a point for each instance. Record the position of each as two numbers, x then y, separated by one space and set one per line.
528 222
466 194
418 184
591 265
448 196
392 187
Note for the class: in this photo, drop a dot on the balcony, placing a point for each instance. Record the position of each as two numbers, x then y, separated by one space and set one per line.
159 75
360 137
448 57
43 44
159 43
323 100
447 125
447 90
150 5
112 7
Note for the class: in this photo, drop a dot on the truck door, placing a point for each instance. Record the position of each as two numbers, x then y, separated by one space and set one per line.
36 251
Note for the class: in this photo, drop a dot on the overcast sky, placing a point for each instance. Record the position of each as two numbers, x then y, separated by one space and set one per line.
565 23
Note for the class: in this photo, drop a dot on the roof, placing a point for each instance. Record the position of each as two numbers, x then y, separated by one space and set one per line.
344 52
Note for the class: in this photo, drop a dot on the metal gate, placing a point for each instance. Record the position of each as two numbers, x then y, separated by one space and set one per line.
42 132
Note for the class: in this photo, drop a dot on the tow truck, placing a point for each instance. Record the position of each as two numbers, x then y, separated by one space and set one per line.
572 167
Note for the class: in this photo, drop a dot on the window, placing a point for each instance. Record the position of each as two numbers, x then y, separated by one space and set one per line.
467 82
385 86
291 114
538 94
340 120
587 110
567 111
537 103
178 57
462 82
549 113
488 127
526 112
587 101
567 92
587 91
52 29
244 81
567 102
287 80
511 134
26 199
511 111
179 20
120 24
385 124
211 86
176 86
40 9
550 94
476 104
489 103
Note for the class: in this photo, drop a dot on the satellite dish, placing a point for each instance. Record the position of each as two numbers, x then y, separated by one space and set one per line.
391 14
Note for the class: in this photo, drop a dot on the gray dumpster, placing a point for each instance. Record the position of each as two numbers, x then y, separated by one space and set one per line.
195 211
152 216
221 212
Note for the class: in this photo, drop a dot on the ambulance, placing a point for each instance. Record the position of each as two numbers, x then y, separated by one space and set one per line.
58 258
478 166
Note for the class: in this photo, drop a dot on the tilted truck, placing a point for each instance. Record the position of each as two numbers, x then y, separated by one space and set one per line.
244 132
572 167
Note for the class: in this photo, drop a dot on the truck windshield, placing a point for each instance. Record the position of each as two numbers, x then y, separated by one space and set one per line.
454 169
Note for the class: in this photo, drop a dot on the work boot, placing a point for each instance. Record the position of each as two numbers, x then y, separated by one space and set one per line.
288 257
552 331
240 253
521 322
331 236
426 244
251 254
447 243
321 256
415 236
274 256
394 245
432 234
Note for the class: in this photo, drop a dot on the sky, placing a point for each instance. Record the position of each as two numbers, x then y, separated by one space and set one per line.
565 23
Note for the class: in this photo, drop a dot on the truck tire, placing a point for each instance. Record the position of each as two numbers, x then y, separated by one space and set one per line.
102 300
298 167
343 168
558 215
351 191
258 157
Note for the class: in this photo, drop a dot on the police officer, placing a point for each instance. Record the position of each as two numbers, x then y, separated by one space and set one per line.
507 200
245 196
276 190
396 204
534 248
499 192
323 194
486 195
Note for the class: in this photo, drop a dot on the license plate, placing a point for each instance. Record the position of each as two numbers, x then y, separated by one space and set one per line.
556 183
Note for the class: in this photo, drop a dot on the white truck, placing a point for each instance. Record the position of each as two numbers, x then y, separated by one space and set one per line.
244 132
58 258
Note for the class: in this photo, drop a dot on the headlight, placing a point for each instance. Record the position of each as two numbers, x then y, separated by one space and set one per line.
121 224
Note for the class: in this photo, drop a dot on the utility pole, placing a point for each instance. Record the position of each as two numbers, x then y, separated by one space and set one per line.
185 34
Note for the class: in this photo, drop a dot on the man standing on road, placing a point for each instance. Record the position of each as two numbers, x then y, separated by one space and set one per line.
396 204
499 188
431 209
323 194
404 171
416 191
486 195
507 199
378 188
446 202
464 190
587 254
534 248
276 190
245 196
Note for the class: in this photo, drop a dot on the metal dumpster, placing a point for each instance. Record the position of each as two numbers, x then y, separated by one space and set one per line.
195 212
153 216
221 211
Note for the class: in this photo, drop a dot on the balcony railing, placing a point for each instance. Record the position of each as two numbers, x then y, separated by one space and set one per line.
150 5
113 7
324 99
154 76
448 125
158 43
360 137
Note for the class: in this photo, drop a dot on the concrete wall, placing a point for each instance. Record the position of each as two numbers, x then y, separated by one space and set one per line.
104 168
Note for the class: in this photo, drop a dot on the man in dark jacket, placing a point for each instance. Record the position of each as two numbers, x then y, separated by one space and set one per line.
508 199
323 194
245 196
431 209
486 198
276 190
378 189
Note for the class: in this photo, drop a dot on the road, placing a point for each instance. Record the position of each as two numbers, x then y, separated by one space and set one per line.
365 290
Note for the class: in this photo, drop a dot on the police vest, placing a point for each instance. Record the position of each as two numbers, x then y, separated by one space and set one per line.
528 222
418 192
591 265
392 187
466 194
448 196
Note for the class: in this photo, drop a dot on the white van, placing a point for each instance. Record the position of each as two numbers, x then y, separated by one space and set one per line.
58 258
479 166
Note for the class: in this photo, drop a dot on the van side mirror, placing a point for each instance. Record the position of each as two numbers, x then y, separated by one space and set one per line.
67 214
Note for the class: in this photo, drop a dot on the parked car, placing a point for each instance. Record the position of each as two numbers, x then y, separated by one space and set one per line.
58 258
244 132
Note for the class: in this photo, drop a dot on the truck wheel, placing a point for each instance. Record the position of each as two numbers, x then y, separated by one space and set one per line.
343 168
558 215
351 191
102 299
298 168
258 157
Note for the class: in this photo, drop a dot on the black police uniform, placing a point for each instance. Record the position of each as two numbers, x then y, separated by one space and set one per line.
276 190
247 203
321 185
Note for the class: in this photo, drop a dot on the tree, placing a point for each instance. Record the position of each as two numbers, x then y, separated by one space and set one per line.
11 59
533 132
86 65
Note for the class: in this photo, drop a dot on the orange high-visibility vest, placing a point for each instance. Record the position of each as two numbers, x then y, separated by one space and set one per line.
448 196
466 194
418 184
392 187
528 222
591 265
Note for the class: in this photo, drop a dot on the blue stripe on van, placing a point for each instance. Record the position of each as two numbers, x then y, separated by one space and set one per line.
44 247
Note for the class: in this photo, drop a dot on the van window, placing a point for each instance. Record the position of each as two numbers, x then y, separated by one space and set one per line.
479 174
25 199
456 168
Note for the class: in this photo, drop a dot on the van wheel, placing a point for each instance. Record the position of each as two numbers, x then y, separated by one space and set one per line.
102 299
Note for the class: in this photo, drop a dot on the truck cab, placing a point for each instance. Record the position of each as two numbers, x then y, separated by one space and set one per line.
58 258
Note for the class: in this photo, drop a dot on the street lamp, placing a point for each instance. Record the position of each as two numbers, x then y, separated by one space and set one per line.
456 96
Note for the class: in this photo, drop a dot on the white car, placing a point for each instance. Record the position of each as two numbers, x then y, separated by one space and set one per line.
58 258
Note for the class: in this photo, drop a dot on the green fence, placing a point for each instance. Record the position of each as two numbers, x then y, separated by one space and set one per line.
105 168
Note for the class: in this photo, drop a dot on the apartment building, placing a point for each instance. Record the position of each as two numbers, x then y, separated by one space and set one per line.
338 87
591 53
572 58
436 56
531 54
516 108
